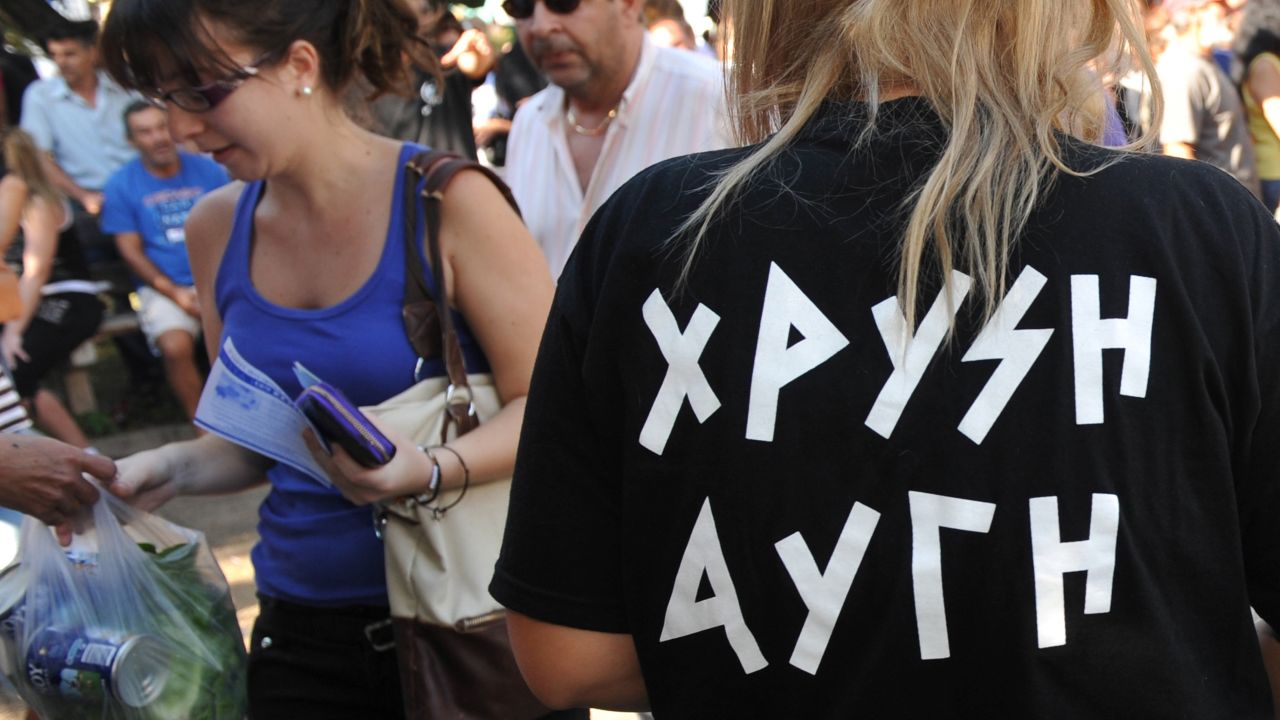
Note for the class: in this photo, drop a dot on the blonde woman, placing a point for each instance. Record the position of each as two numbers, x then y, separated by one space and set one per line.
922 405
60 305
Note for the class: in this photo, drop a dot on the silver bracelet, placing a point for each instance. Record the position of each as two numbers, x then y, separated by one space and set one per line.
433 485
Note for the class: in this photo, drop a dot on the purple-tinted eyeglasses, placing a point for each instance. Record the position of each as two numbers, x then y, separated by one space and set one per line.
203 98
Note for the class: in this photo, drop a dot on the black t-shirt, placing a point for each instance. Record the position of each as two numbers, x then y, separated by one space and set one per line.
1064 513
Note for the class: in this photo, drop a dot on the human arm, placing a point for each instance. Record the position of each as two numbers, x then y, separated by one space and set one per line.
90 199
489 130
37 123
500 283
43 478
130 246
1270 647
1263 83
207 465
571 668
40 222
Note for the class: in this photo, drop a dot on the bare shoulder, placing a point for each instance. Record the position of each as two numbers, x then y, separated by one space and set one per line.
472 192
214 213
208 228
209 223
13 186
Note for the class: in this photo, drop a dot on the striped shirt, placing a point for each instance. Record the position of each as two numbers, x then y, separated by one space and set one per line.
675 105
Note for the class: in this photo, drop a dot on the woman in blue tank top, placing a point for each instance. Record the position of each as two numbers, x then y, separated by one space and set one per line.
303 259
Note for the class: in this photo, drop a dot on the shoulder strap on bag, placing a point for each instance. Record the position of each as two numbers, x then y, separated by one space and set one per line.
428 323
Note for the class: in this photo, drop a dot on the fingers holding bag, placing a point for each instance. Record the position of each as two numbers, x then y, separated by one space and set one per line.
133 619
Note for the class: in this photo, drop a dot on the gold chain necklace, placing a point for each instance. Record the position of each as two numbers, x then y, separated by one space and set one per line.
596 131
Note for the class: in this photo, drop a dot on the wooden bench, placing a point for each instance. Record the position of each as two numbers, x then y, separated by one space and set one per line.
76 380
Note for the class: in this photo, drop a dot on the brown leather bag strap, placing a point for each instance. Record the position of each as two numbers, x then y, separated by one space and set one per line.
439 169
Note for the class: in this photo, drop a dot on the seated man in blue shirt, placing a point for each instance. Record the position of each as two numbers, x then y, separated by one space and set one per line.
145 206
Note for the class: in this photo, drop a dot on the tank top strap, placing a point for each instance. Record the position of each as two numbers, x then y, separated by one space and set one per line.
234 268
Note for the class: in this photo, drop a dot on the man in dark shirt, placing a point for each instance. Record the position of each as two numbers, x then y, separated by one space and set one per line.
439 114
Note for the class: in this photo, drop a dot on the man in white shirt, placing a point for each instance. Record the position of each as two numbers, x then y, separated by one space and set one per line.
617 104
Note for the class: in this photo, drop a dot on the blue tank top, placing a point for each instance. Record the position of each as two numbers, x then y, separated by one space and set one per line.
315 547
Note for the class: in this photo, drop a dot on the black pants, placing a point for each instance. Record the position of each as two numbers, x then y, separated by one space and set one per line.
61 323
328 664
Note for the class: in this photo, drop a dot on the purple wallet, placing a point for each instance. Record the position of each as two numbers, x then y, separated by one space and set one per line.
342 423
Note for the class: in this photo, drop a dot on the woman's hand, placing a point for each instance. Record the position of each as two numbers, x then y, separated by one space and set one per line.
11 345
408 473
145 480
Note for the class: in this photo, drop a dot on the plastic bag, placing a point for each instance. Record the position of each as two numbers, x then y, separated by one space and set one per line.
134 621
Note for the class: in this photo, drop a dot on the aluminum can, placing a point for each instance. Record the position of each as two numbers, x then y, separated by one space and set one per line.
91 666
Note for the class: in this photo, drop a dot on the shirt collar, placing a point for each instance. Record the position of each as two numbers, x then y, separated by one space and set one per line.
105 85
908 118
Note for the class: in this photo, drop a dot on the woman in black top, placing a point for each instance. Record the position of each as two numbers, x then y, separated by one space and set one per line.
924 405
60 306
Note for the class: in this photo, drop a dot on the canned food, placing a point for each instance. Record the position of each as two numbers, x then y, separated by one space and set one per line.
89 666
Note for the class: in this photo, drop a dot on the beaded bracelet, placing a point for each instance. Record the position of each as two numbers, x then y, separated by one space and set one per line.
433 485
466 479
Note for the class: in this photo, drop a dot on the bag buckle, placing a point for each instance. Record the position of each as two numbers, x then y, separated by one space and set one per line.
463 395
380 635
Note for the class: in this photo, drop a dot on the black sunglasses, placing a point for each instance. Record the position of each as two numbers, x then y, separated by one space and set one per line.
203 98
523 9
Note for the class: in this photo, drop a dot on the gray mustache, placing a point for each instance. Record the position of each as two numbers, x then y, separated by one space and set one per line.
544 46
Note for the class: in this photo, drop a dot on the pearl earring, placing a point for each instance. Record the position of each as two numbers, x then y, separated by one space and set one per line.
306 91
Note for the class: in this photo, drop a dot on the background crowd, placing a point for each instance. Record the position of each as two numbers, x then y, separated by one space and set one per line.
128 187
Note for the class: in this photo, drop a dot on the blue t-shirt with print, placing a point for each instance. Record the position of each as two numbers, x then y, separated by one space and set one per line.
156 208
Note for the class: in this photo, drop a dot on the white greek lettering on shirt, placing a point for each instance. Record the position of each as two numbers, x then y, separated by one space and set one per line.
930 513
686 615
786 307
824 593
1090 335
911 353
684 378
1017 351
1052 558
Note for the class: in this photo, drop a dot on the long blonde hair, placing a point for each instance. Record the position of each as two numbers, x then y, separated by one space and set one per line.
22 158
1005 76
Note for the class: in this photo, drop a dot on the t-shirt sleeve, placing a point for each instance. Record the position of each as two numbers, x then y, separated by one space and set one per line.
35 120
117 217
1259 486
561 558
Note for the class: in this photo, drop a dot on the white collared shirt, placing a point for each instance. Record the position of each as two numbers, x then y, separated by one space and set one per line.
675 105
88 143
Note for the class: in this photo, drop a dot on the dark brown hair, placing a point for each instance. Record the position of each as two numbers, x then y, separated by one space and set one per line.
142 39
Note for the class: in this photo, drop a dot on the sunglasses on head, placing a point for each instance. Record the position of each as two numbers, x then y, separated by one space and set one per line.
523 9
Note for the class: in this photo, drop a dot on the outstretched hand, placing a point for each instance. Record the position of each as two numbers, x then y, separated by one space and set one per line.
144 480
43 478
